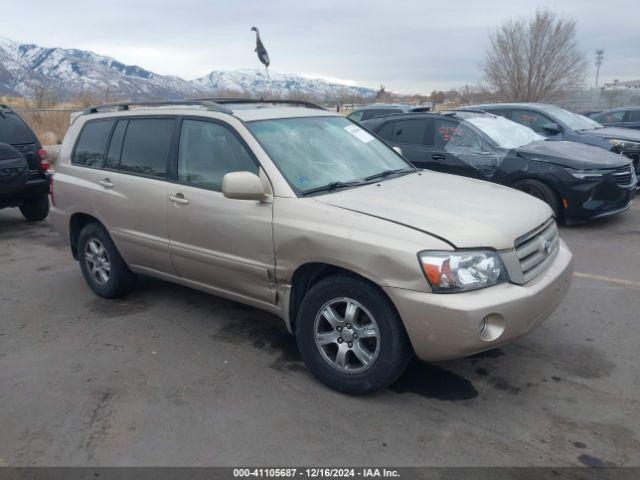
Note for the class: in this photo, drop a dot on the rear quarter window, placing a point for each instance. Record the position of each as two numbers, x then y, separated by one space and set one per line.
14 131
92 143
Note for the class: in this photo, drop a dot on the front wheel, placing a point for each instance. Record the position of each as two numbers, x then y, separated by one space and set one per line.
541 191
35 209
350 336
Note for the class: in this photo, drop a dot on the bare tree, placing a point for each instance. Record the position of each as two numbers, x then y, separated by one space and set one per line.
535 59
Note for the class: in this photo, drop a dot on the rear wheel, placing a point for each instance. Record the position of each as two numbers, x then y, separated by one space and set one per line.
102 266
541 191
350 336
35 209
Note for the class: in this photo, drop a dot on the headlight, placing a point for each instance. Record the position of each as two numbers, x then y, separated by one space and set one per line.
623 145
461 271
586 174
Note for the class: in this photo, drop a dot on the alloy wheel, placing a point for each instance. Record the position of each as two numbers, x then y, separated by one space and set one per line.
97 261
347 335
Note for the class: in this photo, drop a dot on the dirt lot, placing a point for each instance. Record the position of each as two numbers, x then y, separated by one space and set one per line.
171 376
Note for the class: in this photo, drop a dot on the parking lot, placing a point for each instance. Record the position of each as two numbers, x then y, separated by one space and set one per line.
172 376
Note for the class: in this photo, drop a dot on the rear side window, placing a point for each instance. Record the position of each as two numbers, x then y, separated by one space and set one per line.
14 131
92 144
145 149
115 146
410 132
386 131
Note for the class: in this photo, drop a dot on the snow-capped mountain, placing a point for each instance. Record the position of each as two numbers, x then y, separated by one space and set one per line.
256 81
70 72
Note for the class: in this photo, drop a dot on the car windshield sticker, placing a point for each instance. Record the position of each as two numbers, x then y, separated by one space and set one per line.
359 133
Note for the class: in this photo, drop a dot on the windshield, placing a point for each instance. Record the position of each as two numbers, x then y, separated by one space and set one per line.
313 152
572 120
505 133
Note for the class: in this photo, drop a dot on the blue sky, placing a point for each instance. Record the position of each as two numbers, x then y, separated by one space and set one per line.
409 46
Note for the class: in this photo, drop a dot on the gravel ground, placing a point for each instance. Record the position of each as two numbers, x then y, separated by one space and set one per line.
171 376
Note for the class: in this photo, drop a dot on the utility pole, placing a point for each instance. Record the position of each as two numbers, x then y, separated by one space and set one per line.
599 57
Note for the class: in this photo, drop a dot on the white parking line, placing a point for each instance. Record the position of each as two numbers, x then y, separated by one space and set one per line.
604 278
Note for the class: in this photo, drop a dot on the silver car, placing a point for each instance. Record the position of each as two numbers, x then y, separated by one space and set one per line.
301 212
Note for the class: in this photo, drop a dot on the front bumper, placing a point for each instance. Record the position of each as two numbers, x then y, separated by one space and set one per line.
446 326
590 200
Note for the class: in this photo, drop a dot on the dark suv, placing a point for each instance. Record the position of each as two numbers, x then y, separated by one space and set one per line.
556 123
627 117
579 182
379 109
24 176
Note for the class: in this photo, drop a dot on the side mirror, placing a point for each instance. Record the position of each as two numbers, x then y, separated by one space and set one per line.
398 150
551 128
243 186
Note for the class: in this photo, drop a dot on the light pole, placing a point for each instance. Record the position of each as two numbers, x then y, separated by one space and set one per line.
599 57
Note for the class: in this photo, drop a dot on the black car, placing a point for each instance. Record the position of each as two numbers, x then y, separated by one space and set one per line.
24 176
627 117
579 182
556 123
379 109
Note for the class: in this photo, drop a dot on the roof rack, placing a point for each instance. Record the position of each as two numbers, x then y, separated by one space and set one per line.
124 106
470 110
226 100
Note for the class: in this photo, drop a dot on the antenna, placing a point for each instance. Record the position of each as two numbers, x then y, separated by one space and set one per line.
599 57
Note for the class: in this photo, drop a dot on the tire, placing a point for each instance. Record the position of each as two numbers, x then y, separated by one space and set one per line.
541 191
102 266
387 355
35 209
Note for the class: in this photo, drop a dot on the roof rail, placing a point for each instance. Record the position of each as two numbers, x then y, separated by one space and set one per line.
470 110
123 106
225 100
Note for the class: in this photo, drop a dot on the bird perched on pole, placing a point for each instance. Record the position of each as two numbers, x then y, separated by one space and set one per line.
263 56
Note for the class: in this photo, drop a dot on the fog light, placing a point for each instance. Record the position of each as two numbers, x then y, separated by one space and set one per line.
491 327
483 325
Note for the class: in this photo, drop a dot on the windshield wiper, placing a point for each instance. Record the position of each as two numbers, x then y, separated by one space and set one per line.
332 186
386 173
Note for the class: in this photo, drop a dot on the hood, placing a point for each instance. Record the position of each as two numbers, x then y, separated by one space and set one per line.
464 212
572 155
614 132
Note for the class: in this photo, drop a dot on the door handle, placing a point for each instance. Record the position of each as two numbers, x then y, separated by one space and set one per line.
179 199
438 156
106 183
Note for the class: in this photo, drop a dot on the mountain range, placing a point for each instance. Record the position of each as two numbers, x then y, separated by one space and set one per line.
67 73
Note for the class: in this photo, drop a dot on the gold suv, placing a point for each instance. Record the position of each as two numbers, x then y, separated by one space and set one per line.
301 212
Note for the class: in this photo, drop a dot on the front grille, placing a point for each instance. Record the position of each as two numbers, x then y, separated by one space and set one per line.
623 176
537 249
